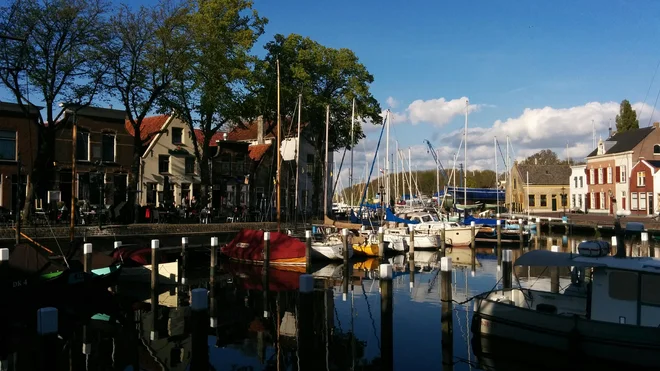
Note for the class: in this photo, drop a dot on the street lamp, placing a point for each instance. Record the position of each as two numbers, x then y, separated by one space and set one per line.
563 199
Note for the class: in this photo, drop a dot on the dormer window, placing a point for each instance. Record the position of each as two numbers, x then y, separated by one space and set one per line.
656 150
601 148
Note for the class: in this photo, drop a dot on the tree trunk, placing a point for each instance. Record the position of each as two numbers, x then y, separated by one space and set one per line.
205 173
318 177
134 177
42 170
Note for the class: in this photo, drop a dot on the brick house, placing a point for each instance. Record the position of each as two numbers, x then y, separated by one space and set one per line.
539 188
643 187
104 151
19 136
608 167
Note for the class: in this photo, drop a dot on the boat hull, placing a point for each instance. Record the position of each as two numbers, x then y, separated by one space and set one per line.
330 251
401 242
365 249
616 342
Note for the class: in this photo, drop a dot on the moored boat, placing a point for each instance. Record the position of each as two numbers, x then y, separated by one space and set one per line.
608 311
248 247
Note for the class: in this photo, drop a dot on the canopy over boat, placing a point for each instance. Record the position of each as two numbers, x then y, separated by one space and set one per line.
24 259
249 245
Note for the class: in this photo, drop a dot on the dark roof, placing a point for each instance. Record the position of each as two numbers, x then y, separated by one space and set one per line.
99 112
625 141
15 107
654 163
546 174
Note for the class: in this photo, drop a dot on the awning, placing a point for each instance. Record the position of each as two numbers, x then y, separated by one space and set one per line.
546 258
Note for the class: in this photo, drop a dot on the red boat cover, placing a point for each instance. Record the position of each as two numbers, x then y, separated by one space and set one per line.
249 245
134 257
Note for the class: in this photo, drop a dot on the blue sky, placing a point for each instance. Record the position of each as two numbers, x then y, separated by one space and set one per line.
505 56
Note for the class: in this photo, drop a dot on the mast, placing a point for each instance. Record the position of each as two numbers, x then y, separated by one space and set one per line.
508 186
497 186
387 158
325 178
279 140
437 179
410 174
298 154
467 105
350 174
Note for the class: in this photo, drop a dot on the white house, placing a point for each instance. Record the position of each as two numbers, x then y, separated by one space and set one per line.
168 160
578 187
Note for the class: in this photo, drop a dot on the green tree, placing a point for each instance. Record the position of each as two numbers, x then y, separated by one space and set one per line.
59 61
145 48
211 91
542 157
323 76
627 118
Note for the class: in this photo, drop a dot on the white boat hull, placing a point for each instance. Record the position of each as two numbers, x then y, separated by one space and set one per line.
401 242
330 251
168 273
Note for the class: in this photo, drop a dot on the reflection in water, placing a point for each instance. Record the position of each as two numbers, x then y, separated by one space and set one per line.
256 319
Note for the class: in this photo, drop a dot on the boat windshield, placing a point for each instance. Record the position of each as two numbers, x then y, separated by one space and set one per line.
427 218
435 218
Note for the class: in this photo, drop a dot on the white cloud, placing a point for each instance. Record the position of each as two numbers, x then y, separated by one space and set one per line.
438 111
391 102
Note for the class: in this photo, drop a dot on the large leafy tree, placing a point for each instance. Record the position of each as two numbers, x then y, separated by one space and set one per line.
543 157
627 118
211 91
323 76
59 61
146 48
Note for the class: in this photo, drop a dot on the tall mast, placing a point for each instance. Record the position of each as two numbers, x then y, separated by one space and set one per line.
410 174
387 158
508 166
279 140
350 174
325 178
298 152
467 105
497 186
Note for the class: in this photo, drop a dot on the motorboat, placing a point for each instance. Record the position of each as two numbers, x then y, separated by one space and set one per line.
398 239
610 309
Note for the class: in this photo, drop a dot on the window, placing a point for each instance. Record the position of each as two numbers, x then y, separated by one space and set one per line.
642 201
641 178
151 193
624 174
108 147
225 164
185 194
580 202
238 166
573 204
633 201
581 184
82 146
190 165
622 285
310 166
600 176
531 200
650 289
656 149
609 175
592 176
592 200
602 201
575 181
163 164
7 145
544 200
177 136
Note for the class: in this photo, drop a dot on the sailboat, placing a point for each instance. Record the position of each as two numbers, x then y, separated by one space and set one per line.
248 245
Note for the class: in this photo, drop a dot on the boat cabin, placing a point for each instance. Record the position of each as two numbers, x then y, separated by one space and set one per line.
617 290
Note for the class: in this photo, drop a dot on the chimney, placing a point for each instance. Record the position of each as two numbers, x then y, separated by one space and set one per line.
260 130
609 132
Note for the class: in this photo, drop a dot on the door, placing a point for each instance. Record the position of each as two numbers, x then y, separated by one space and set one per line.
650 200
554 204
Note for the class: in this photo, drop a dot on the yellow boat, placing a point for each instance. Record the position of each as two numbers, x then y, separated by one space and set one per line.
364 246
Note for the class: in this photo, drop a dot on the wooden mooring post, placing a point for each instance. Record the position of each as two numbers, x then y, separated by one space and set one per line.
507 268
443 235
214 253
155 258
381 242
87 257
265 274
182 261
554 274
498 230
411 229
473 234
308 252
386 316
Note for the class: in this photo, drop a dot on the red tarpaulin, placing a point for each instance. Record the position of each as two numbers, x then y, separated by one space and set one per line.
248 245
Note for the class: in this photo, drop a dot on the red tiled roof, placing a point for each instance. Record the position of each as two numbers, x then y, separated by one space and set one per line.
150 125
217 136
257 151
249 132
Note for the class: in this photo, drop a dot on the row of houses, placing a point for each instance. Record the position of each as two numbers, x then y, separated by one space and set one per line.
621 173
241 164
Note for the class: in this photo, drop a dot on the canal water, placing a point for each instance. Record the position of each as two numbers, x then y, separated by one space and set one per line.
249 328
